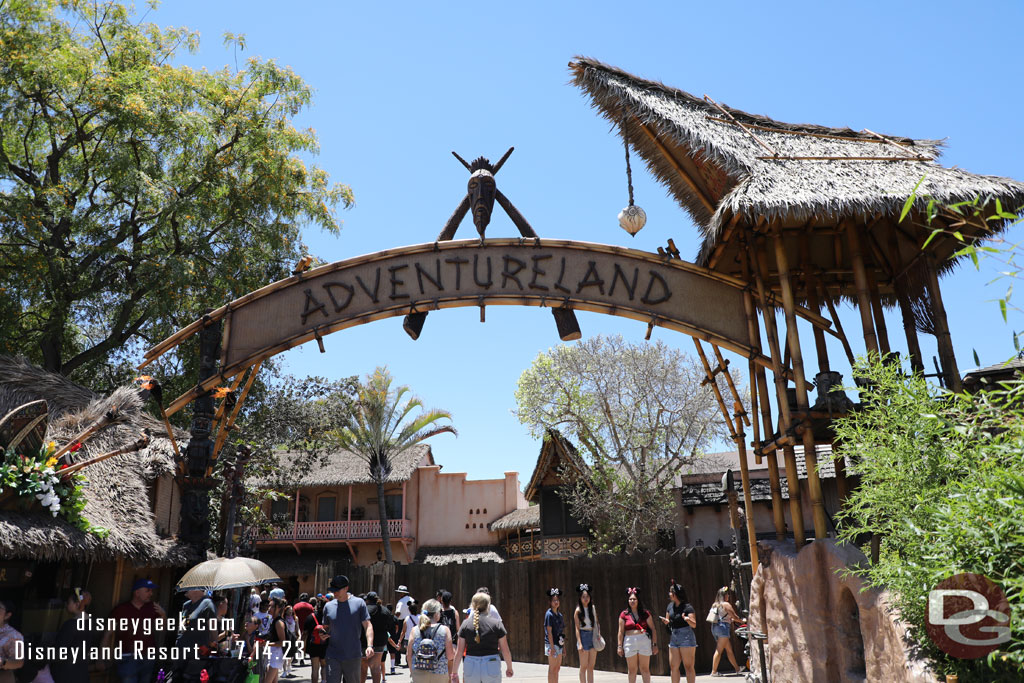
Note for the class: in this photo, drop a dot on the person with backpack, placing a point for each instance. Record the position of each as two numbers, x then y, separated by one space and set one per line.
381 620
316 641
449 617
430 646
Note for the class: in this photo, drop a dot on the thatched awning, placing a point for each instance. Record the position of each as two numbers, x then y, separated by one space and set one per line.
725 178
117 494
439 556
523 518
342 469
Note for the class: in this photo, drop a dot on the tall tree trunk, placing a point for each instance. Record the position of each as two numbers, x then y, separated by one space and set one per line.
383 514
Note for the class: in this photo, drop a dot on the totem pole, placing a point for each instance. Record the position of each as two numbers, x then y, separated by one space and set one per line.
195 481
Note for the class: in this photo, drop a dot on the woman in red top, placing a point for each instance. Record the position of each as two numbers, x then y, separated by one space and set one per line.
637 637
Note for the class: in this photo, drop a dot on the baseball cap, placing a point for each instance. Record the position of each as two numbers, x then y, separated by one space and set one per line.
371 597
329 596
339 581
143 583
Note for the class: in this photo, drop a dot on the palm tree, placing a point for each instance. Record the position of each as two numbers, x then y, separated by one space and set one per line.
380 428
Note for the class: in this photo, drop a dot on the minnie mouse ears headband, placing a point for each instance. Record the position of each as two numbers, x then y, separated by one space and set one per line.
552 592
583 587
675 587
632 591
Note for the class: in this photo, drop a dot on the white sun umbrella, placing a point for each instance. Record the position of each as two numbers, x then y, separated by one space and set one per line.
224 573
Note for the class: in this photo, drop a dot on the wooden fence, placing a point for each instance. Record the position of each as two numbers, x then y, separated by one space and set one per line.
519 591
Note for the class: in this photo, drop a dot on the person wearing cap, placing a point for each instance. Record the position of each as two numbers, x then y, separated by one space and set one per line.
381 620
276 592
142 610
344 616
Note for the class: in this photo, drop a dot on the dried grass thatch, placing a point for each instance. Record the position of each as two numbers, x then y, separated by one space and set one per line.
523 518
117 495
556 452
342 469
715 171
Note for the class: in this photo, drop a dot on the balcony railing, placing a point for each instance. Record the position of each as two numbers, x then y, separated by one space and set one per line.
339 531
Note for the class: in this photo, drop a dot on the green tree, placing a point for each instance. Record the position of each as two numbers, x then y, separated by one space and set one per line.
382 426
942 486
135 192
639 412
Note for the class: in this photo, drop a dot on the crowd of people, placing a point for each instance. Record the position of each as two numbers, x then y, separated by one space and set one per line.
347 637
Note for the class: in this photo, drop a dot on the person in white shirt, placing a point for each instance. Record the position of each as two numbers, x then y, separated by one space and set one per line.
402 606
493 610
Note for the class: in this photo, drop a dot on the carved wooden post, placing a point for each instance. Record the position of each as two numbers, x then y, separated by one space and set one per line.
793 336
195 484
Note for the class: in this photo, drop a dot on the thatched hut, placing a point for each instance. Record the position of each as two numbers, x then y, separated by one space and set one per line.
133 496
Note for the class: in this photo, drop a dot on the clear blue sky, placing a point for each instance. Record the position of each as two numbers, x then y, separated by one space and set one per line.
400 85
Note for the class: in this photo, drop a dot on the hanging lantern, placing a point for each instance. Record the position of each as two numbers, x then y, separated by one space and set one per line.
632 218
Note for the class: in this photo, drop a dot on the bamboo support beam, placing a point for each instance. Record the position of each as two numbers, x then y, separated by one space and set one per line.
944 341
839 325
906 312
863 289
811 291
768 313
714 387
748 501
759 398
878 313
691 182
724 364
793 337
223 433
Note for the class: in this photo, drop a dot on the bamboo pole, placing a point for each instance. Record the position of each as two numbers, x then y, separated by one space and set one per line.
879 313
811 290
223 433
714 387
795 506
793 336
724 365
839 325
759 398
863 290
906 312
748 500
130 448
945 342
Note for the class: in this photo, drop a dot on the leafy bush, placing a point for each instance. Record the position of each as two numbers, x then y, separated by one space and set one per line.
942 484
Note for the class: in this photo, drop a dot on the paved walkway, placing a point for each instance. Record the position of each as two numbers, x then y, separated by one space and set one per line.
537 673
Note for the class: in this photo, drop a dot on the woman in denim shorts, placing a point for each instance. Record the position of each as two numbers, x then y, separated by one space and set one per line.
554 634
681 620
585 617
721 630
481 638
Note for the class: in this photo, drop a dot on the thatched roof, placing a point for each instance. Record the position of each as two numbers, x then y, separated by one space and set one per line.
439 556
702 485
555 452
721 175
343 468
523 518
117 496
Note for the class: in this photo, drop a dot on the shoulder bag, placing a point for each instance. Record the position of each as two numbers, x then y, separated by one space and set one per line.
712 616
599 643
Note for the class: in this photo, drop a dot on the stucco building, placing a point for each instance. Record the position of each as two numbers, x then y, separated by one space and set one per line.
331 510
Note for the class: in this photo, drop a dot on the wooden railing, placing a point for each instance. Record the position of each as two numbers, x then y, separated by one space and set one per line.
339 530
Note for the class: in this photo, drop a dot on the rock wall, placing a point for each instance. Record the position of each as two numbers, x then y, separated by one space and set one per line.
821 626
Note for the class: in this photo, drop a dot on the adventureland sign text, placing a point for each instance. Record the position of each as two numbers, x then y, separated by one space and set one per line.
552 273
